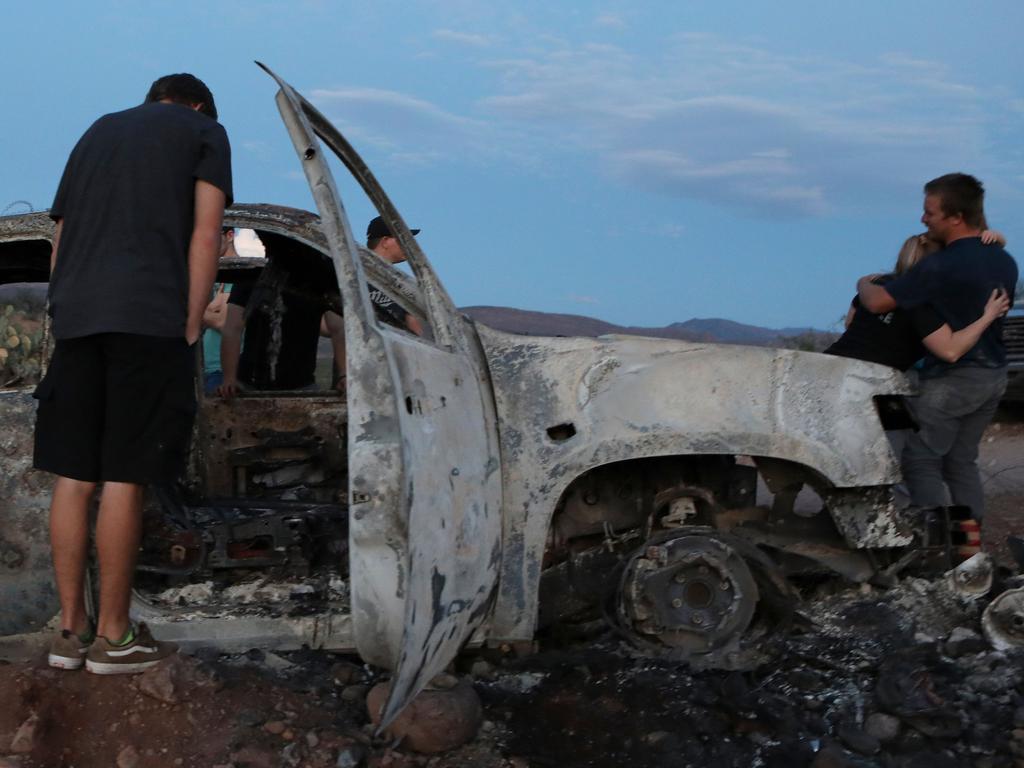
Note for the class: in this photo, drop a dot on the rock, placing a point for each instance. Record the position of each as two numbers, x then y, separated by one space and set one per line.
128 757
443 682
354 692
351 756
391 759
858 740
12 761
435 721
172 679
963 641
275 663
276 727
882 726
482 668
832 756
161 682
250 717
343 673
253 756
311 739
25 737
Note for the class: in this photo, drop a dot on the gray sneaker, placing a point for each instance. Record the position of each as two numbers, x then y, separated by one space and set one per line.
143 652
67 651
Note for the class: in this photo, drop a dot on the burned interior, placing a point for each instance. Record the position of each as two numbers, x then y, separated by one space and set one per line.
264 502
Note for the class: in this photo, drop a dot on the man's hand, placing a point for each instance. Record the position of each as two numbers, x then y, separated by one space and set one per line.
227 389
203 252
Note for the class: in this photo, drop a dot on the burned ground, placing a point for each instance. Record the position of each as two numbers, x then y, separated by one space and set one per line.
864 677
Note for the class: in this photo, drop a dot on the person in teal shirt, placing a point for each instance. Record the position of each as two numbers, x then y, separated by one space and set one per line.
213 319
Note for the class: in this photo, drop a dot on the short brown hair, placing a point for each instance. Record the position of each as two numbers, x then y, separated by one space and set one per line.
961 194
183 88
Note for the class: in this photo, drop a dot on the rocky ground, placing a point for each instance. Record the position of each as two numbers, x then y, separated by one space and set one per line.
865 677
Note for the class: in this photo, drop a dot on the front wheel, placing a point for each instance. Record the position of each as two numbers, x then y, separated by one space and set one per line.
694 594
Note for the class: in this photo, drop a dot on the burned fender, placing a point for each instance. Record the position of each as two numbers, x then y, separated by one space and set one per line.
567 405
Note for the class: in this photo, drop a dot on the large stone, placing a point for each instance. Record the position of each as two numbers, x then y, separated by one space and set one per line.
858 740
435 721
25 737
882 726
174 678
963 641
128 757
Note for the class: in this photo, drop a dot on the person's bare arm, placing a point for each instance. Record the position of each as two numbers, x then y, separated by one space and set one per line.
56 242
216 310
949 345
231 349
334 324
203 252
993 237
413 324
874 298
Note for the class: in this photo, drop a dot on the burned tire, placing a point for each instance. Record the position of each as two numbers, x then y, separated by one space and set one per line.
692 594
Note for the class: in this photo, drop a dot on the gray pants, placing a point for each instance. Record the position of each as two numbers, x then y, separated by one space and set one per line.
952 411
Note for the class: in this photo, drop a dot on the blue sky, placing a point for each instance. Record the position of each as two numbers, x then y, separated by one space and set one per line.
641 162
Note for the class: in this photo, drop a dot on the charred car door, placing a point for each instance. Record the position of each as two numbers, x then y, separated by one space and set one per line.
424 470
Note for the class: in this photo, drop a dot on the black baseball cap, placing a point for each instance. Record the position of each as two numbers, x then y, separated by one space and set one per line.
377 228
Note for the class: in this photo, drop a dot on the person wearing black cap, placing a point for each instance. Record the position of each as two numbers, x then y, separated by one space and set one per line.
382 242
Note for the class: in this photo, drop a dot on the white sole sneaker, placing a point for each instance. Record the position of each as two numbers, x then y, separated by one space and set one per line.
106 668
65 662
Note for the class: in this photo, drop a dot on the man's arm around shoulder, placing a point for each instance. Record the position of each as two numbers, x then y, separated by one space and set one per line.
873 297
203 251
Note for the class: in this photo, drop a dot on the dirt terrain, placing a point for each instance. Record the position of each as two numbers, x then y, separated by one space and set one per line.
864 677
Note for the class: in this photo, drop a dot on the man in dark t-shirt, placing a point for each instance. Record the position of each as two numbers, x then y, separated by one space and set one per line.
957 400
138 217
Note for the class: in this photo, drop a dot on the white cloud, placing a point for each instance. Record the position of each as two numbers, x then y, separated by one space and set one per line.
463 38
411 131
609 21
582 299
748 127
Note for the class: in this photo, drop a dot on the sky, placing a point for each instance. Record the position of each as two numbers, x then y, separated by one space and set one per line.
639 162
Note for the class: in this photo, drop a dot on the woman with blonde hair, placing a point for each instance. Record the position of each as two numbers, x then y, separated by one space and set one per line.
902 337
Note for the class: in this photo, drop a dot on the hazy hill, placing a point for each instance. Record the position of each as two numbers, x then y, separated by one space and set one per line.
697 329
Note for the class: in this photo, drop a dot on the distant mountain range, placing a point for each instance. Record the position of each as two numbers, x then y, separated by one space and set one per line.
697 329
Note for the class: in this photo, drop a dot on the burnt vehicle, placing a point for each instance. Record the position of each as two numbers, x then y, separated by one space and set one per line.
1013 335
474 485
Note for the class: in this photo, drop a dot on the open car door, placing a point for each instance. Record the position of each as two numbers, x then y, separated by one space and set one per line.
424 471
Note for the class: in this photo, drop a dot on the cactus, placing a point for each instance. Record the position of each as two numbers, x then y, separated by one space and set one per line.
19 348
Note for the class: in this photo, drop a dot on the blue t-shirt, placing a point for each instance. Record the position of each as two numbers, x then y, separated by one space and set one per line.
957 282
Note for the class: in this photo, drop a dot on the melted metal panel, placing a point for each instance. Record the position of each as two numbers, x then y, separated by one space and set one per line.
424 544
26 579
631 397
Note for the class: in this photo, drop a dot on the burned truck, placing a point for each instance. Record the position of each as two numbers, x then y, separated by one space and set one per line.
472 485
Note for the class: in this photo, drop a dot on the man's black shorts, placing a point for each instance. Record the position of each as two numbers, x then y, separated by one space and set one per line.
117 407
